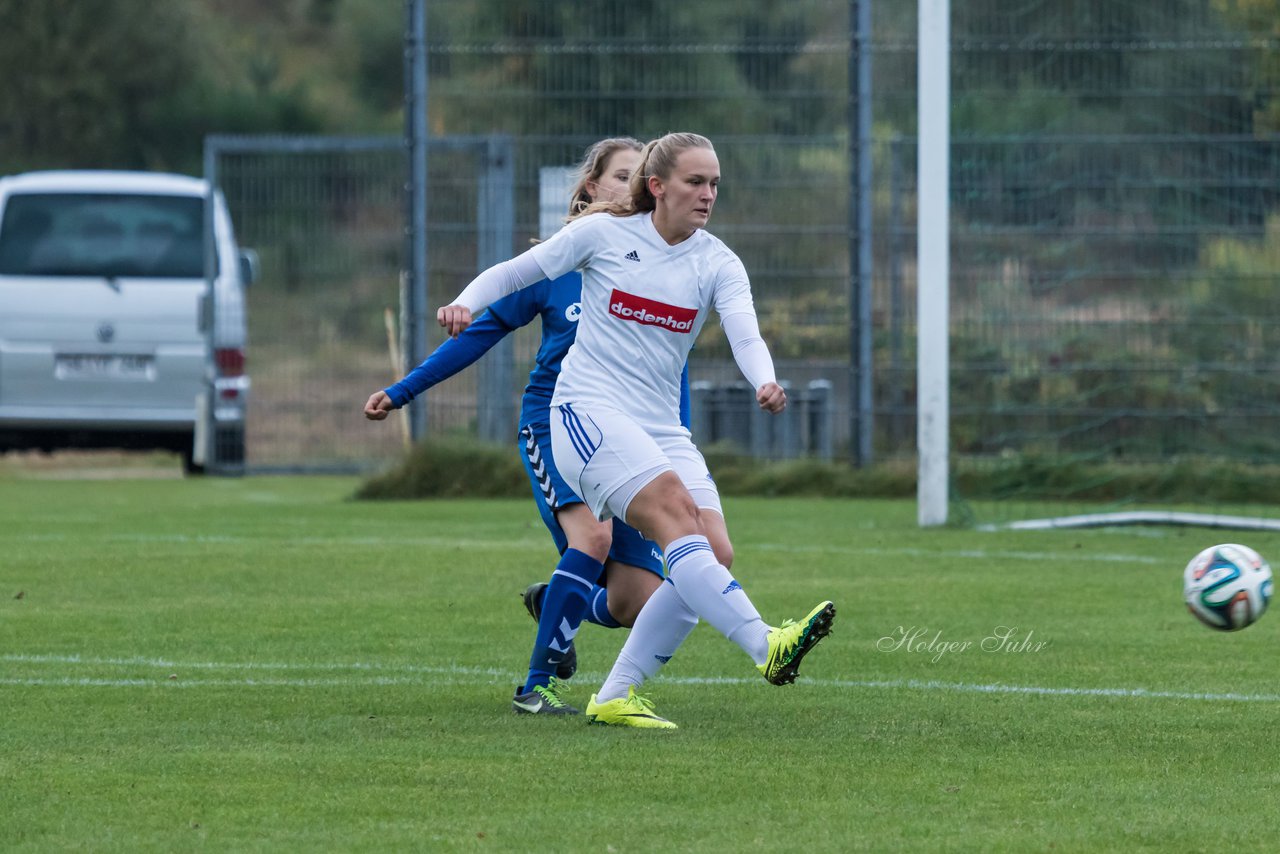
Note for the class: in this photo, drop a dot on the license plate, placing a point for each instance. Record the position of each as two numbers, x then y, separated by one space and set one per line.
103 366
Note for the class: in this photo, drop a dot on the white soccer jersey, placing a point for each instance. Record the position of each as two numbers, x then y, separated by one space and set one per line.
643 304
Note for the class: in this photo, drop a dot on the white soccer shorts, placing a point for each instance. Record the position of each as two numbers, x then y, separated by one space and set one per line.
599 451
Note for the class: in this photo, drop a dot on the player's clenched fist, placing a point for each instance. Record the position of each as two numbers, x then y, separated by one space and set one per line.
771 398
454 318
378 407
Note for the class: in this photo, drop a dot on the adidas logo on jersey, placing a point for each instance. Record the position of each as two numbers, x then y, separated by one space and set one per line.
633 255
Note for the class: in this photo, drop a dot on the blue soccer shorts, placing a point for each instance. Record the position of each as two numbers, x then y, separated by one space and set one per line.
551 493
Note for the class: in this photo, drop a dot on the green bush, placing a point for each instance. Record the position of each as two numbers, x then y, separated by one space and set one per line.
458 467
463 467
452 467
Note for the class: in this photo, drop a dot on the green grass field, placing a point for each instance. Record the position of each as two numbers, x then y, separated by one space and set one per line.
265 665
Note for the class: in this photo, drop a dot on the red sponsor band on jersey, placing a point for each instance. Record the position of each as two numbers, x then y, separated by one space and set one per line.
651 312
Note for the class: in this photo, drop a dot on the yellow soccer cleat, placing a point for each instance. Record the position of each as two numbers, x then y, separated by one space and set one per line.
634 711
791 641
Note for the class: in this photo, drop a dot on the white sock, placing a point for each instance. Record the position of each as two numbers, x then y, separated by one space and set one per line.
661 626
713 594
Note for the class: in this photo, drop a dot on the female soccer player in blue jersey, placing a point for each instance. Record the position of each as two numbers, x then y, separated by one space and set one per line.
591 551
651 274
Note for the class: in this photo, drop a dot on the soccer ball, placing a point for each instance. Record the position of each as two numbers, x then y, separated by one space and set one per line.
1227 587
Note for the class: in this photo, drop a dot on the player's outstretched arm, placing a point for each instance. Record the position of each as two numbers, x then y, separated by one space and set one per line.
454 355
752 356
491 285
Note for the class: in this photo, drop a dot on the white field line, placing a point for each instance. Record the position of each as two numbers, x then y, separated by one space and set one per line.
281 540
973 554
411 670
163 682
177 674
1074 556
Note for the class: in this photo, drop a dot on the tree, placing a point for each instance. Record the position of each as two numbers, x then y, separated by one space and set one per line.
132 84
84 79
641 68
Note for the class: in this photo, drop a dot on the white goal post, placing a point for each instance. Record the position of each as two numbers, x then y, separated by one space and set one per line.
933 251
933 328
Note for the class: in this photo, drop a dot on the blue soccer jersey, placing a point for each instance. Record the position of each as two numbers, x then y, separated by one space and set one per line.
558 303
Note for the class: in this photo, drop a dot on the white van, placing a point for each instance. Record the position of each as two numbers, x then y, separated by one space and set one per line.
109 335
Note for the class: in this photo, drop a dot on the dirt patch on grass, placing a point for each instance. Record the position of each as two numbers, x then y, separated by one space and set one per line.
90 465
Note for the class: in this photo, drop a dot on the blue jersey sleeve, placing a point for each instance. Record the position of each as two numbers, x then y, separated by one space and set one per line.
518 310
686 406
449 358
503 317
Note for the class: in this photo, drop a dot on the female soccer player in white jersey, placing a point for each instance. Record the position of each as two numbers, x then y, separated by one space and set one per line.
650 275
613 553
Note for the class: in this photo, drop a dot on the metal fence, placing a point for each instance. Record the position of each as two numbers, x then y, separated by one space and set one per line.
1115 181
327 218
326 317
1115 184
1111 295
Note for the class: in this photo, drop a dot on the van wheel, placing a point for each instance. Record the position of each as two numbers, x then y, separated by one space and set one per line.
229 447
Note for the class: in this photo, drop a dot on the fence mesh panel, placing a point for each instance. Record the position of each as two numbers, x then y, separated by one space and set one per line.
328 225
1112 318
1115 181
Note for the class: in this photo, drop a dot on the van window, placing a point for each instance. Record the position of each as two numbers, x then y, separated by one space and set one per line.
102 234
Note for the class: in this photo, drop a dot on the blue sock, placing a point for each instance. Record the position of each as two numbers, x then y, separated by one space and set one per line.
563 605
598 609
